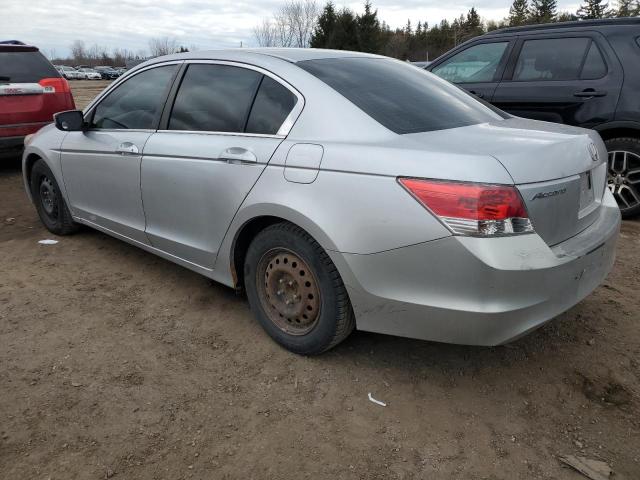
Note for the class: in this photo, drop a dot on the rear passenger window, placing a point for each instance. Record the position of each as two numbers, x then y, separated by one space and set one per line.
551 59
594 66
272 105
214 98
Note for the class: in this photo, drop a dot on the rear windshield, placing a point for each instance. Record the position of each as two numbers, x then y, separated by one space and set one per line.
25 67
403 98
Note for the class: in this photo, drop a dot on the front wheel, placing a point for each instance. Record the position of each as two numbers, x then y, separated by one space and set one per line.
623 175
50 205
295 290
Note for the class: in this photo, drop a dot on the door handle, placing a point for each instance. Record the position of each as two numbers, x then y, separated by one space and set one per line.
127 148
588 93
477 94
238 155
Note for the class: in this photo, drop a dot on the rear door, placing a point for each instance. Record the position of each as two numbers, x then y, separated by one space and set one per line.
477 68
573 78
225 123
31 91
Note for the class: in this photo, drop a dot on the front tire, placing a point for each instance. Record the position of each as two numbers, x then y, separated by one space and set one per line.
295 290
623 174
50 205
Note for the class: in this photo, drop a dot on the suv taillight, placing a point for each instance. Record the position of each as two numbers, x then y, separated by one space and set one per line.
55 85
472 208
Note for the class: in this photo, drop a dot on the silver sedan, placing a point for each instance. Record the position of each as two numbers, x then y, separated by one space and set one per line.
339 191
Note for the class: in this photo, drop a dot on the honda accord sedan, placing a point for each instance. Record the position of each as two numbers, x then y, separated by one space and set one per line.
339 190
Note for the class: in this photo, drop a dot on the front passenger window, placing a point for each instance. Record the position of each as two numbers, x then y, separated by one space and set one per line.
475 64
136 103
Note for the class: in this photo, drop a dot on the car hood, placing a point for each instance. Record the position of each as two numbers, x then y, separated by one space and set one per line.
531 151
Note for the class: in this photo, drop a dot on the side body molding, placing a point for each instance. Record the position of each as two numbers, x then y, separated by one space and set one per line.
303 163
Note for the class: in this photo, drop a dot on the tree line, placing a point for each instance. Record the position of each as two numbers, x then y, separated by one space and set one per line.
344 29
95 55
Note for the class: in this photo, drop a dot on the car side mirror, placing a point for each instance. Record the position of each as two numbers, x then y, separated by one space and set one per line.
70 121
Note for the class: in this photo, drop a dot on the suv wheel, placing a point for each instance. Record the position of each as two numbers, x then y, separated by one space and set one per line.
623 174
50 204
295 291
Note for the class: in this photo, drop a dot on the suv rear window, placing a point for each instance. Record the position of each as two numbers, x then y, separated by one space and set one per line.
401 97
25 67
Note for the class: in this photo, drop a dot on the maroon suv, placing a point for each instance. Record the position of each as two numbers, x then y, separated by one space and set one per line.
31 91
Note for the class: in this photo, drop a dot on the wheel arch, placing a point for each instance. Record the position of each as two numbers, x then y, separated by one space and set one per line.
619 130
252 223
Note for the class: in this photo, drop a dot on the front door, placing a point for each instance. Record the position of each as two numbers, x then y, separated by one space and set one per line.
573 79
224 126
101 166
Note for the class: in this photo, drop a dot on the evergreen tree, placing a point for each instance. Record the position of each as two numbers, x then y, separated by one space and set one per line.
325 28
627 8
518 13
592 9
566 17
345 35
368 30
543 11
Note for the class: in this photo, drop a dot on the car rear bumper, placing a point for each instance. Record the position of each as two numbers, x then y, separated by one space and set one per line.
478 291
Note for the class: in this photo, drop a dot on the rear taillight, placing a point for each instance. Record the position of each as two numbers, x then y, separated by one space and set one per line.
472 208
55 85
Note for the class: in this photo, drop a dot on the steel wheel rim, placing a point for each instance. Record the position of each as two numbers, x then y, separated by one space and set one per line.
623 178
288 291
48 197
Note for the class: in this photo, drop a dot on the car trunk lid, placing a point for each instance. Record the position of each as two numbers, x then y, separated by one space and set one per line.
559 170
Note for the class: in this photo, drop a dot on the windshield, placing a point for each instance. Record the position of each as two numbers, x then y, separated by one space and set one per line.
401 97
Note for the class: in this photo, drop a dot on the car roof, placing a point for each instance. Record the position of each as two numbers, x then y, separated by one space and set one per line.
608 22
16 46
292 55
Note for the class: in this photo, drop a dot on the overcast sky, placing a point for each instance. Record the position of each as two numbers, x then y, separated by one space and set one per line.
53 25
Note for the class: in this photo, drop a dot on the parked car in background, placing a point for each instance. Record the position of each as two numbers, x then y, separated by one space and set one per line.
69 73
31 91
583 73
120 70
90 73
340 190
107 73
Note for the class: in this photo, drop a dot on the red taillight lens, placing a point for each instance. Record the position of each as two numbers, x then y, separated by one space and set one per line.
471 208
55 85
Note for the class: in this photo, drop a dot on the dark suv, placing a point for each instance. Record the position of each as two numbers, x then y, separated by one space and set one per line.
580 73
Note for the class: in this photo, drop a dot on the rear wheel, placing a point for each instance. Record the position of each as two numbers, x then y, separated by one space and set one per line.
50 204
623 175
295 291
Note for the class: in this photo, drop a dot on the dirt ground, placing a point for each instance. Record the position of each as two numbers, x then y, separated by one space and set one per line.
117 364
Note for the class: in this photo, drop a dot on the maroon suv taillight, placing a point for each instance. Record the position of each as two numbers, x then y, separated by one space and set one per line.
55 85
472 208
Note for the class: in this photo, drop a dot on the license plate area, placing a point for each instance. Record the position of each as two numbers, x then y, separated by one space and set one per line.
587 196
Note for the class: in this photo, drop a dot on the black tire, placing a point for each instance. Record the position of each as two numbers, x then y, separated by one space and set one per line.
624 174
50 205
334 319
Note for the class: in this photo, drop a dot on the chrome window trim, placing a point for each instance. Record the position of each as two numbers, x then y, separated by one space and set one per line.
112 130
230 134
